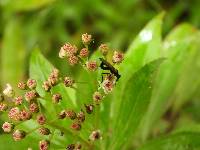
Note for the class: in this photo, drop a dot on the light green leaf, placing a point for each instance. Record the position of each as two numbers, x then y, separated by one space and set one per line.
181 54
179 141
135 101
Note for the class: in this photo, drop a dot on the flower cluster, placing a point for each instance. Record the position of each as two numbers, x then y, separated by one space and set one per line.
20 108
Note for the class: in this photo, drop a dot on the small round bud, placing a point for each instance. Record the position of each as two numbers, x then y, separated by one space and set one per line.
18 135
118 57
62 53
70 114
1 98
73 60
81 116
18 100
97 97
68 50
84 53
104 49
44 145
86 38
14 114
30 95
91 65
8 91
89 108
21 85
31 83
107 86
52 80
33 108
68 82
44 131
62 114
56 98
24 115
3 107
41 119
78 146
46 86
95 135
71 147
7 127
76 126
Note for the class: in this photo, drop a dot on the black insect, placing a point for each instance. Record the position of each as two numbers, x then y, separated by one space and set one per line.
105 65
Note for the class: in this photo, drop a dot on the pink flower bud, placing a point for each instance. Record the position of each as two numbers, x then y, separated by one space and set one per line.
104 49
25 115
8 91
68 82
56 98
67 50
46 86
71 114
97 97
81 116
41 119
44 145
62 114
84 53
44 131
33 108
30 95
18 135
86 38
89 108
73 60
18 100
91 65
95 135
14 114
76 126
21 85
107 86
3 107
7 127
118 57
31 83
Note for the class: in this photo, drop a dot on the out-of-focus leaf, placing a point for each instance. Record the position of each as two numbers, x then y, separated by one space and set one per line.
12 53
134 102
179 141
177 49
145 48
24 5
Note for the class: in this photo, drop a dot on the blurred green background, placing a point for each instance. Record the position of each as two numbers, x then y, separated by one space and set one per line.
25 24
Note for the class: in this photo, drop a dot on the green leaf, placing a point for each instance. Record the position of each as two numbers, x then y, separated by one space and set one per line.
145 48
181 54
179 141
12 55
135 101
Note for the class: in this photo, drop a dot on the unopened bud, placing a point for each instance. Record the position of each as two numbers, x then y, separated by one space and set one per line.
44 145
118 57
76 126
95 135
7 127
44 131
25 115
97 97
70 114
41 119
86 38
89 108
31 83
30 95
19 135
18 100
71 147
104 49
62 114
56 98
73 60
46 86
21 85
84 53
14 114
81 116
91 65
68 82
3 107
33 108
